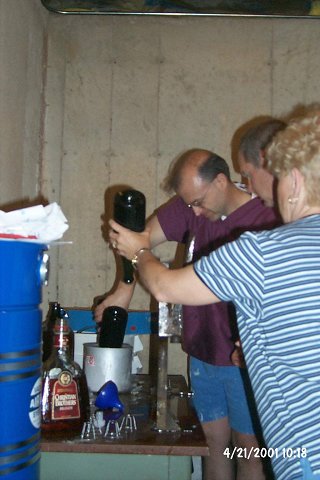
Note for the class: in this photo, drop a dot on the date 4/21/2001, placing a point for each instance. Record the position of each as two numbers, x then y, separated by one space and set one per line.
255 452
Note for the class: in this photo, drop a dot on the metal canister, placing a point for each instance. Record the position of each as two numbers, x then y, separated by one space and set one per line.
102 364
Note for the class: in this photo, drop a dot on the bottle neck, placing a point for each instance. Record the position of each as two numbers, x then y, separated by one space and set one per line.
53 313
62 334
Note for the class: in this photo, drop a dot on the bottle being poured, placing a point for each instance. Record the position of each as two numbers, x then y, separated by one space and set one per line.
130 212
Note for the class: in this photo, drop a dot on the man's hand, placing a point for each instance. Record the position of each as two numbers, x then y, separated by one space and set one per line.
120 297
126 242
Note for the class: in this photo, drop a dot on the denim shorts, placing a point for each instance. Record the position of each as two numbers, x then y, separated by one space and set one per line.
224 392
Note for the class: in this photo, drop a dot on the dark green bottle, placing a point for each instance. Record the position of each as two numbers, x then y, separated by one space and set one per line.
113 327
130 212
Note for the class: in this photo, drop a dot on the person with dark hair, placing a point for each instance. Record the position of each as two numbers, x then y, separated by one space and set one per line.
251 158
273 279
212 209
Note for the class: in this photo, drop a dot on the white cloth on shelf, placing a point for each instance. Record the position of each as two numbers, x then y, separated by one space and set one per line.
39 223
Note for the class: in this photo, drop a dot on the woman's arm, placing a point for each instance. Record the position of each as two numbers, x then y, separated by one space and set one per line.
175 286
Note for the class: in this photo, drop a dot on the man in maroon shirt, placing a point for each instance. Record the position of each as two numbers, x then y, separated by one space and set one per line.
210 207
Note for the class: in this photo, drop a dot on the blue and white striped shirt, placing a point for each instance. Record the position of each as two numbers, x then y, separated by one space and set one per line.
273 278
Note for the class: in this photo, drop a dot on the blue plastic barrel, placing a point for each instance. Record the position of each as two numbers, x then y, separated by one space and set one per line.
21 277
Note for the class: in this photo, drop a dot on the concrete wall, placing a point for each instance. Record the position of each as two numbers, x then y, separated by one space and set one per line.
126 94
91 103
22 60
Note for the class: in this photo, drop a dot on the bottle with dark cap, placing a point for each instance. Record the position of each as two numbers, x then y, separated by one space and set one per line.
130 212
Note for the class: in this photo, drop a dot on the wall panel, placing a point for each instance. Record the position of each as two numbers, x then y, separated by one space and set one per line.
125 95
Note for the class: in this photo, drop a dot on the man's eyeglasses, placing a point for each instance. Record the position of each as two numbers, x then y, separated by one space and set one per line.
198 203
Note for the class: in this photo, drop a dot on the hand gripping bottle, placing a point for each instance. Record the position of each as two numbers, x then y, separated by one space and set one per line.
130 212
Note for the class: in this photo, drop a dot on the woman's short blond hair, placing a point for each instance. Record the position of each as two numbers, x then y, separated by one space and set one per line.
298 146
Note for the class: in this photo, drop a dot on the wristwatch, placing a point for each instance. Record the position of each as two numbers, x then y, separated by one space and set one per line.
135 258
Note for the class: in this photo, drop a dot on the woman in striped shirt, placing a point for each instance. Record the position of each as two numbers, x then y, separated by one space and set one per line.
273 279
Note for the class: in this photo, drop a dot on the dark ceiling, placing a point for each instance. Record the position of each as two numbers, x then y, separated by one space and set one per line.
291 8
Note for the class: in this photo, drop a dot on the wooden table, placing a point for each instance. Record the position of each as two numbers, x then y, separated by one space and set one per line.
144 454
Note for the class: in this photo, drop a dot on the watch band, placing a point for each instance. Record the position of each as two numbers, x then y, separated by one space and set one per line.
135 258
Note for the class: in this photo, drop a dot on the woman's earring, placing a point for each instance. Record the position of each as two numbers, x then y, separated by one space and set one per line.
293 199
